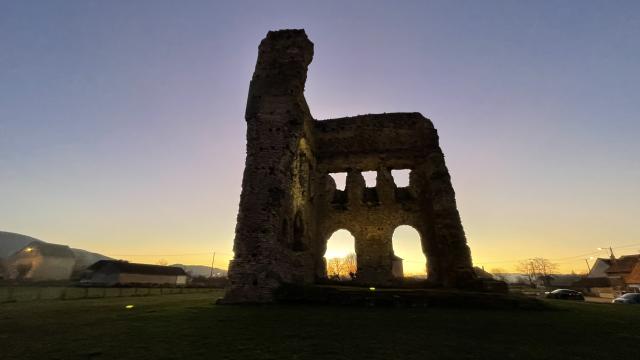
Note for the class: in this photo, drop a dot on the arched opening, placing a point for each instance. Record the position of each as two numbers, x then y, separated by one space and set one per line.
340 256
340 179
370 178
401 177
407 247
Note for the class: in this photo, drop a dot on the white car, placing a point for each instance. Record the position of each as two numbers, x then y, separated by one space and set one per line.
630 298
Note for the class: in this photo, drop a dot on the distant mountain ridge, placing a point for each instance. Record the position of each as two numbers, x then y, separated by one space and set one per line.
11 242
201 270
85 258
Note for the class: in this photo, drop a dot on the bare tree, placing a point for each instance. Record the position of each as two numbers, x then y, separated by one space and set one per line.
342 268
544 267
351 265
526 267
334 268
162 262
537 268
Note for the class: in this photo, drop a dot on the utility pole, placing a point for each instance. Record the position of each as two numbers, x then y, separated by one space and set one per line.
588 267
611 256
212 261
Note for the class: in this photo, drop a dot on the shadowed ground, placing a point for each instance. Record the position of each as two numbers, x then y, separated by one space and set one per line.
192 327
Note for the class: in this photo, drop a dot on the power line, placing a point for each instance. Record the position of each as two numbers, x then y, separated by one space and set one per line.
561 260
575 258
626 246
185 254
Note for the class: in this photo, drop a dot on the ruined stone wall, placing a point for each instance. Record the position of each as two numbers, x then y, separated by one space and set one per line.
268 239
398 140
384 142
290 206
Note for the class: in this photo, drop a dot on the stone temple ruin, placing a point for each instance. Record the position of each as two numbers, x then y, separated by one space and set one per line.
290 206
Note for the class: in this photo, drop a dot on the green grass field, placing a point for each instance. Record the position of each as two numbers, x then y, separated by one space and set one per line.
191 327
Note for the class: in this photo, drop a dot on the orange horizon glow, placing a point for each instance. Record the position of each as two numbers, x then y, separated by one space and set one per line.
123 132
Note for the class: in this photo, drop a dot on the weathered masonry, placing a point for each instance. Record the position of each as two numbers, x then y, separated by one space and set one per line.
290 206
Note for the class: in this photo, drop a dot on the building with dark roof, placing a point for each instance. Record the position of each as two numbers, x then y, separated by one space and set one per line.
623 265
633 279
118 272
597 286
620 271
41 261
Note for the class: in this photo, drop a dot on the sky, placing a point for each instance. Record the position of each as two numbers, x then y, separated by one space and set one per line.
122 129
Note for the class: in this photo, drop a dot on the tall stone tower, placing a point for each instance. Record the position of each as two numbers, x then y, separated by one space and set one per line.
290 206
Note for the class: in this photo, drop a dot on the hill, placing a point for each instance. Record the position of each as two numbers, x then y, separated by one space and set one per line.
200 270
85 258
12 242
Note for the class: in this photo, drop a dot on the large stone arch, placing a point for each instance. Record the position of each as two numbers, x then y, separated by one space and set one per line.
322 265
421 243
324 234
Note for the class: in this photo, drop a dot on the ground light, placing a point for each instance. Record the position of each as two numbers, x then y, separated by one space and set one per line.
128 307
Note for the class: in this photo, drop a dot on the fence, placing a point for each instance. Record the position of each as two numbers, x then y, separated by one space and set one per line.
32 293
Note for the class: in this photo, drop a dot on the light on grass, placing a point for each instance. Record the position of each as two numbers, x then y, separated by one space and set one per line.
372 289
129 307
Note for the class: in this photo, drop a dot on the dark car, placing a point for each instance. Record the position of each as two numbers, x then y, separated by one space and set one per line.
565 294
630 298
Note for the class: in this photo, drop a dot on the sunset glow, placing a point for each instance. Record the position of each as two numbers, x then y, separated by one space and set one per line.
122 128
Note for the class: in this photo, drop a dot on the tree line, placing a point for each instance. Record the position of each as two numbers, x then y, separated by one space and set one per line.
343 268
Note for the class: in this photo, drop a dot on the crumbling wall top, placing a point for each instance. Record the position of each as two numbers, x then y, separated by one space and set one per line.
285 47
407 120
281 72
365 142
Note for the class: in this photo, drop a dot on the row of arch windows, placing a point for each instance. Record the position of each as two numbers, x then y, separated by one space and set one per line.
406 245
400 178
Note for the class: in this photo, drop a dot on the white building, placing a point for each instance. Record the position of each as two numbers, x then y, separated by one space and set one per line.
40 261
599 268
396 267
118 272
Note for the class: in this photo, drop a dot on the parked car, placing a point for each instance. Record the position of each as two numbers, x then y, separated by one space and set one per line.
629 298
564 294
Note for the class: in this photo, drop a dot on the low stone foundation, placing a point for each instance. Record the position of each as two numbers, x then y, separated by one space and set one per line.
390 297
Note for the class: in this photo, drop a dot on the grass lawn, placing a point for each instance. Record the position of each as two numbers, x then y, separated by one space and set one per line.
191 327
